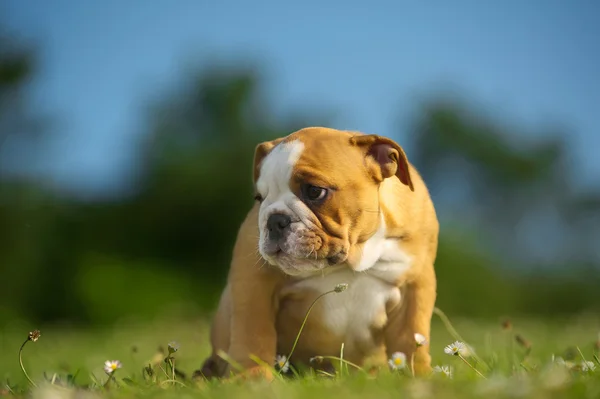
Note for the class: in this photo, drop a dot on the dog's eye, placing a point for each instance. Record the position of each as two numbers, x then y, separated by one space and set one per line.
314 193
258 198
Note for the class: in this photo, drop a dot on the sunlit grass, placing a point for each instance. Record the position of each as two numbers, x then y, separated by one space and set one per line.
523 358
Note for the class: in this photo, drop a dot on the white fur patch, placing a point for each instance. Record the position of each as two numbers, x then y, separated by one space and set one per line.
276 170
352 312
273 185
383 252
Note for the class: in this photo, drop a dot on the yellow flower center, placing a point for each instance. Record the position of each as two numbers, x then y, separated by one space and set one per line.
113 366
398 361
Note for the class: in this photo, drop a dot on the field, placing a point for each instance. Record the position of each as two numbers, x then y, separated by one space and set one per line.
518 363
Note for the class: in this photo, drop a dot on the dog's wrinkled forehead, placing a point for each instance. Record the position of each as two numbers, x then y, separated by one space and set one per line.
277 167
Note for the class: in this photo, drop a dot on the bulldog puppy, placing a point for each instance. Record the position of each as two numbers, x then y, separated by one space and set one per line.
331 207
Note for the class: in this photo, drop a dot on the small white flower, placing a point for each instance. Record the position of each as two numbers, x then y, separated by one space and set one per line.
420 339
588 366
172 347
398 361
111 365
282 362
341 287
34 335
446 370
562 362
456 348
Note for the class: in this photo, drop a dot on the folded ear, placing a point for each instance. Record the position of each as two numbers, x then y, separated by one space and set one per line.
389 158
260 152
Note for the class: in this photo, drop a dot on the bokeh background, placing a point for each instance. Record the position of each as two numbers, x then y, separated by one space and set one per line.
127 131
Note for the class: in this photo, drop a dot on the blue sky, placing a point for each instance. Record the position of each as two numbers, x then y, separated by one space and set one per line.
530 61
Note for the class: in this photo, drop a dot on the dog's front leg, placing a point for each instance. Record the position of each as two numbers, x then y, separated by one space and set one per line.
413 317
253 324
253 286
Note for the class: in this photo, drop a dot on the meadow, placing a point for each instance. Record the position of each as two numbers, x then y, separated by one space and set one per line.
518 237
532 358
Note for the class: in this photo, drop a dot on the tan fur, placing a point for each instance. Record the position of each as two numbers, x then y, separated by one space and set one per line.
261 308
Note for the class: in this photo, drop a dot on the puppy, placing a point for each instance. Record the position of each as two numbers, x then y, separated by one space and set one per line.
332 207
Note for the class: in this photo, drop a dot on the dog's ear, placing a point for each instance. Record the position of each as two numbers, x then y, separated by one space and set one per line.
386 157
260 152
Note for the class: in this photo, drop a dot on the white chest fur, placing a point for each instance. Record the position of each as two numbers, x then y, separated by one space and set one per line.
354 312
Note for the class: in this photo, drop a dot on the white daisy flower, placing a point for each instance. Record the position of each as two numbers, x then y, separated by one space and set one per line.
446 370
398 361
282 362
456 348
587 366
111 365
420 339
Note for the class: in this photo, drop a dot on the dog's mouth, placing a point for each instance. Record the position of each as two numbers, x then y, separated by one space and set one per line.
271 249
296 265
300 249
293 262
338 258
277 252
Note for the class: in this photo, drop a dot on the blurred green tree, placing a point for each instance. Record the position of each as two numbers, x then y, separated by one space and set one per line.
16 64
20 129
194 186
25 214
515 203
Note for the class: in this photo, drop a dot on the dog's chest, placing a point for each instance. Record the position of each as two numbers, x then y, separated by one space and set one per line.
359 308
359 311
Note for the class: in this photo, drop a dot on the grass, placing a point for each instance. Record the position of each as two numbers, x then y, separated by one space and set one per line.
515 362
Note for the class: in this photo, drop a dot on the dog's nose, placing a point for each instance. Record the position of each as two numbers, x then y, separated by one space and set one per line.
276 223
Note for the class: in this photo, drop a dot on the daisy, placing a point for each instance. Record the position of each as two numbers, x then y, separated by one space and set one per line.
588 366
111 365
282 362
446 370
456 348
398 361
420 339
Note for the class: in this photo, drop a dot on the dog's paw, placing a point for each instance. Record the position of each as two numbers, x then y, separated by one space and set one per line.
422 364
254 373
211 368
423 369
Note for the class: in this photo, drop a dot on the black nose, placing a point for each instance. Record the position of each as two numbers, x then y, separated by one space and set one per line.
276 223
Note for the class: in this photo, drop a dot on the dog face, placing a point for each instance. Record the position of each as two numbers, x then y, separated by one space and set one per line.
319 197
